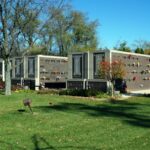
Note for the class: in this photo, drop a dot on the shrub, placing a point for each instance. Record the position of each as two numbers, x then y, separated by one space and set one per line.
146 95
102 95
16 87
80 92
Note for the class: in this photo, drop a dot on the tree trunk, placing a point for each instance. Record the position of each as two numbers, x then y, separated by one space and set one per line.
112 89
7 77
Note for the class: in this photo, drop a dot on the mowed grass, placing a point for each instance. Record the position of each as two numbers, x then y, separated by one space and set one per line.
67 123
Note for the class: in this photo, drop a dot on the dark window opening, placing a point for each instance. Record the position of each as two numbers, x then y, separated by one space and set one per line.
31 67
1 68
77 65
98 58
18 67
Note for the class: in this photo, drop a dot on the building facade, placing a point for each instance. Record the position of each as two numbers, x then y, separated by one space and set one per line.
37 71
83 71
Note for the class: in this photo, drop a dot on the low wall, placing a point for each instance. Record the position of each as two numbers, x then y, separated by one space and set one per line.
99 85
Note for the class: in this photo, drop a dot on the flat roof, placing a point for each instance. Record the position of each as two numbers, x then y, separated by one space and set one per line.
129 53
49 56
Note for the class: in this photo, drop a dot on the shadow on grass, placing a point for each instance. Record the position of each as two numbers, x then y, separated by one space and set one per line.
41 143
131 113
37 141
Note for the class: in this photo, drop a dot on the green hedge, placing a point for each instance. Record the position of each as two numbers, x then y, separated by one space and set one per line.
81 92
75 92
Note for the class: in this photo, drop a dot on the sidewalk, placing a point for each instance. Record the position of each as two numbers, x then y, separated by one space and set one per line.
140 92
135 93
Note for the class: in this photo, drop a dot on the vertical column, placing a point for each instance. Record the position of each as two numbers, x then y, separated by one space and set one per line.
70 66
37 72
90 65
25 67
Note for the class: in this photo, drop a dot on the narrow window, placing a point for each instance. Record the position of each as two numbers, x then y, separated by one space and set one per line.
77 66
1 68
98 58
31 67
18 67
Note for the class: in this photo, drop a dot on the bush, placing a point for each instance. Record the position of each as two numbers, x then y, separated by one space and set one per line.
102 95
16 87
146 95
80 92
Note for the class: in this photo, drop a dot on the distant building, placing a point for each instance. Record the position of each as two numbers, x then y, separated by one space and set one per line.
84 66
38 71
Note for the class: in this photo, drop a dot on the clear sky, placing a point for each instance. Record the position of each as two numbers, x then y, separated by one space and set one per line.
120 20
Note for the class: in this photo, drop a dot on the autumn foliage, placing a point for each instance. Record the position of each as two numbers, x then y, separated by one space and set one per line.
105 70
112 71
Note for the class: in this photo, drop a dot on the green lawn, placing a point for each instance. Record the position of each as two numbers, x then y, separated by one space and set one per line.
73 124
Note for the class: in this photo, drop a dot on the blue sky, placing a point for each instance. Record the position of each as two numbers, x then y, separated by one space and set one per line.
120 20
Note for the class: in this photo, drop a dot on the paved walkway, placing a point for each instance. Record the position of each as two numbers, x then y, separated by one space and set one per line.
141 92
125 96
135 93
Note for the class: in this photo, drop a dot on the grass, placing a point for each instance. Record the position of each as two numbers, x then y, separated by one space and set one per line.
67 123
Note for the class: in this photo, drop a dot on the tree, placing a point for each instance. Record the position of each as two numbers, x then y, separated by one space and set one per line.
62 35
37 50
32 30
139 50
123 47
84 32
147 51
67 30
142 46
147 47
42 30
112 71
12 12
